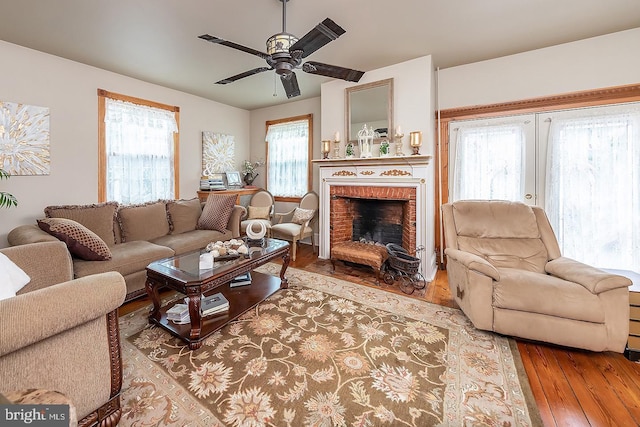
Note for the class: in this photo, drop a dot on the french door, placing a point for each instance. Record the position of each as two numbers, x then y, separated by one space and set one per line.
582 166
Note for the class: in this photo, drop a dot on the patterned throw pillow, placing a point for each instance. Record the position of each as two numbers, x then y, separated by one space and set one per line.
300 216
259 212
216 212
81 241
98 218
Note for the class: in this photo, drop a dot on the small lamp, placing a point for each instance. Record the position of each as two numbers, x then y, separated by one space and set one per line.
415 140
326 149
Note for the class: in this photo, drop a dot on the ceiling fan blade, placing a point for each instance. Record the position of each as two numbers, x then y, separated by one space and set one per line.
243 75
217 40
319 36
290 84
334 71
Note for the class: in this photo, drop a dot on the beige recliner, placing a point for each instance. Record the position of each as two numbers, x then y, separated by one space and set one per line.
507 274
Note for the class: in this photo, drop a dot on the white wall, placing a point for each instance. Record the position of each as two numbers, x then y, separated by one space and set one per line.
609 60
69 90
258 128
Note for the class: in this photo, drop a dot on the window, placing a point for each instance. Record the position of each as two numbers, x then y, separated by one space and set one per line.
289 157
489 159
138 149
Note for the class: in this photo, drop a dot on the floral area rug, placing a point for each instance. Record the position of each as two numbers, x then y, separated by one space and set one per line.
325 352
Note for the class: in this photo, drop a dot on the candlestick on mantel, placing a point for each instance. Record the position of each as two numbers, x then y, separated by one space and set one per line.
336 137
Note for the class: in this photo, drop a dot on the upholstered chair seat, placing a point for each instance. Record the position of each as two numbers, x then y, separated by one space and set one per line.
507 274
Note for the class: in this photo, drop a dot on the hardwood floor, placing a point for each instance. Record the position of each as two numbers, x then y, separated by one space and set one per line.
571 387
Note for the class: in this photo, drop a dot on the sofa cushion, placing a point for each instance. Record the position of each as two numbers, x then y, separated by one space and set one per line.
259 212
126 258
543 294
80 241
145 221
191 240
216 212
98 218
183 215
300 216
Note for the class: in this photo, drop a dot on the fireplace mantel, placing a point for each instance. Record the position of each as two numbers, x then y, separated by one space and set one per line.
405 172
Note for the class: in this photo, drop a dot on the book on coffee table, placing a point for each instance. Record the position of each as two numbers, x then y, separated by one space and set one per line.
242 280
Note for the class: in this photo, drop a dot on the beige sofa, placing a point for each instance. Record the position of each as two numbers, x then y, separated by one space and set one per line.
61 335
507 274
135 235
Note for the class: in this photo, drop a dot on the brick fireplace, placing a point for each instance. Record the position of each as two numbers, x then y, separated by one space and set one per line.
387 198
377 214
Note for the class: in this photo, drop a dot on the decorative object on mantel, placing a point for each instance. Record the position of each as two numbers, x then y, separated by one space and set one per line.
384 148
249 173
217 153
24 139
365 141
415 140
325 149
349 151
398 138
336 145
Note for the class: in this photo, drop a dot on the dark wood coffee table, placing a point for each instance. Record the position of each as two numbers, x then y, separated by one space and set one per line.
182 273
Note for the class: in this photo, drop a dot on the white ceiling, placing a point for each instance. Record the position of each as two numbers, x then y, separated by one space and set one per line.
156 40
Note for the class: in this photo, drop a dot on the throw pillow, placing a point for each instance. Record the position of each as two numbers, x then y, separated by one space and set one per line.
183 215
146 221
216 212
98 218
259 212
82 242
12 278
300 216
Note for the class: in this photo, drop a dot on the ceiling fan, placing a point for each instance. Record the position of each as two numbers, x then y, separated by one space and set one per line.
285 53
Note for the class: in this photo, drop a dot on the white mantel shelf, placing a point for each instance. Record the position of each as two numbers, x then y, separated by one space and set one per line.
375 161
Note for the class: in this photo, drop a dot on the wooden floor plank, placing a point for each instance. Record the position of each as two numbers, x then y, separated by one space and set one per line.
593 390
544 408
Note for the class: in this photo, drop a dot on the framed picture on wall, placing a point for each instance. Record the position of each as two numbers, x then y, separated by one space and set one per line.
233 179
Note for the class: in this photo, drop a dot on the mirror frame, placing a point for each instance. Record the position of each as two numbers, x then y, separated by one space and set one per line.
350 90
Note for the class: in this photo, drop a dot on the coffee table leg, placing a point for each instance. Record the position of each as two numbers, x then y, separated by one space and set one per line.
196 320
284 283
154 295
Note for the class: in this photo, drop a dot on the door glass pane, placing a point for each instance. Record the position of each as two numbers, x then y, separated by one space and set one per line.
489 161
593 185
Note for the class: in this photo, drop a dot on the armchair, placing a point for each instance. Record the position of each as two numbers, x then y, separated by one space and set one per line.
507 274
62 335
297 224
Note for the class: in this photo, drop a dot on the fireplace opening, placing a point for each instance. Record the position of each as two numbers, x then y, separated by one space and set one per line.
378 221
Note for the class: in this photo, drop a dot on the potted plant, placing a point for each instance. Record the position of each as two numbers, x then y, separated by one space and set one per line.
384 148
6 199
349 151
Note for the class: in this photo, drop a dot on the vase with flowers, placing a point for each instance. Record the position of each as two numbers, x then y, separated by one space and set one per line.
249 173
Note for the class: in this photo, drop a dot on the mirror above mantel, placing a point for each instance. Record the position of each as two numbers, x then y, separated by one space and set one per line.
370 104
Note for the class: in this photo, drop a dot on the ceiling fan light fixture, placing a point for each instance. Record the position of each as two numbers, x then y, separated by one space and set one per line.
280 43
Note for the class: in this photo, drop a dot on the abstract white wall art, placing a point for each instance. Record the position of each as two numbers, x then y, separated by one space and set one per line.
24 139
217 153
